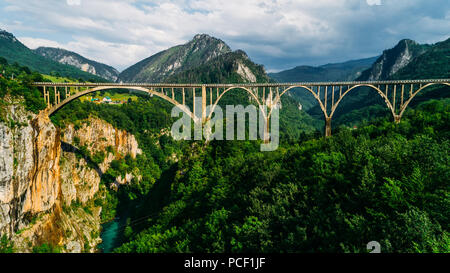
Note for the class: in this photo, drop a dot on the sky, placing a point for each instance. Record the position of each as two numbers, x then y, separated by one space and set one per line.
280 34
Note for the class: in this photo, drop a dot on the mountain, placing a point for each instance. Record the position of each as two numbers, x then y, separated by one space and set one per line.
330 72
407 60
209 60
14 51
236 67
162 65
71 58
345 71
433 64
230 67
394 59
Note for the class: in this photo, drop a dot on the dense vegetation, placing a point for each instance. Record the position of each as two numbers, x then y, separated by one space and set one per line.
14 51
6 246
20 86
383 182
146 119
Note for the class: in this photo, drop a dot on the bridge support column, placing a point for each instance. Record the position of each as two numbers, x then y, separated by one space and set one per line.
203 104
56 96
327 126
267 131
47 97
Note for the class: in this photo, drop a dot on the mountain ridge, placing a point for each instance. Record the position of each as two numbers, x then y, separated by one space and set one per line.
230 67
15 51
74 59
348 70
407 60
394 59
161 65
345 71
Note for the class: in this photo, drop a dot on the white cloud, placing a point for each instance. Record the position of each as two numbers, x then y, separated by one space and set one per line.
374 2
73 2
34 43
109 53
279 34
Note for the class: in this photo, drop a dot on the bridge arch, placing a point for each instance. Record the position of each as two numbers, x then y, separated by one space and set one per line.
390 105
386 99
253 90
403 107
316 96
226 91
60 105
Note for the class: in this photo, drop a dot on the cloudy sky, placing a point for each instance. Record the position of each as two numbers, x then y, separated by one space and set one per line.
280 34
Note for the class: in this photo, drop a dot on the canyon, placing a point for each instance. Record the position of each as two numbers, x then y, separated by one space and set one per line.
47 190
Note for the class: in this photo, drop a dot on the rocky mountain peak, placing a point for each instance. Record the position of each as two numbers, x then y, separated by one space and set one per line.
241 53
157 68
394 59
207 41
202 37
406 42
7 36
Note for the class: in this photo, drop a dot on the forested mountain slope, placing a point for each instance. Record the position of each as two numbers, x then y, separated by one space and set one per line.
158 67
71 58
394 59
345 71
14 51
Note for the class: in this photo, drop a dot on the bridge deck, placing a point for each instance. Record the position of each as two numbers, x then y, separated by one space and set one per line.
199 85
396 99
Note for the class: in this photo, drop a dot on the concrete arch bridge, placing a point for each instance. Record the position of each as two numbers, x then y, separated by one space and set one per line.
397 95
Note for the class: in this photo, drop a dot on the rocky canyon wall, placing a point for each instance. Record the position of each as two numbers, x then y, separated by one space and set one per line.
41 176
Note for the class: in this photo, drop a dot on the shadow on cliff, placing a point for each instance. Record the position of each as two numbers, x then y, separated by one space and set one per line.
69 148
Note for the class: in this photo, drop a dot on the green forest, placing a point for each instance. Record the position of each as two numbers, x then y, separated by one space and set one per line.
382 182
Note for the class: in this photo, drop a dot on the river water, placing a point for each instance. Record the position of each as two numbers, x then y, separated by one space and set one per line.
112 235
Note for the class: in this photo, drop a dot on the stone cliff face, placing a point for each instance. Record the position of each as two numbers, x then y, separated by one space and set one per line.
29 168
80 182
41 176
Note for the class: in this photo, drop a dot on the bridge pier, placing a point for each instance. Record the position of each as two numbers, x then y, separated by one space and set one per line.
67 93
203 104
327 126
47 97
266 136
